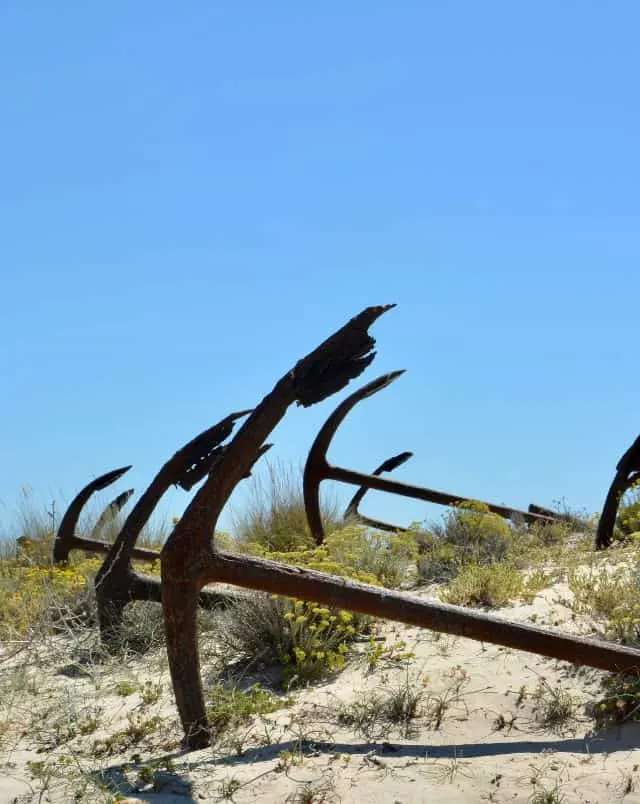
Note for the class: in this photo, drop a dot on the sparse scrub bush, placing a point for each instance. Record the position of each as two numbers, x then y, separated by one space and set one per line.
613 595
230 707
628 519
485 586
470 534
305 640
621 700
274 517
139 728
45 598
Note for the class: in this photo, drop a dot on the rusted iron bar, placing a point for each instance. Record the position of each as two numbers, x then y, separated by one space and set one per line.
96 546
117 583
189 558
318 469
66 540
627 475
351 511
575 521
110 512
281 579
305 584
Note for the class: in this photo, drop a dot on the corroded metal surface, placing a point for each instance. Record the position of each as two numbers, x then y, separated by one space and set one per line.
352 511
66 539
627 475
110 512
117 583
318 469
189 558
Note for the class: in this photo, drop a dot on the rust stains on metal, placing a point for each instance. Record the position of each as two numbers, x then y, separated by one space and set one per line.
117 583
66 539
189 556
318 469
627 475
351 511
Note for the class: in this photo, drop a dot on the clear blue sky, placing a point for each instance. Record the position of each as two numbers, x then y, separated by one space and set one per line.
194 195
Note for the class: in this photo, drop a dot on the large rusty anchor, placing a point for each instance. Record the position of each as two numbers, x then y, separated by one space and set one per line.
627 475
190 559
318 469
352 511
117 583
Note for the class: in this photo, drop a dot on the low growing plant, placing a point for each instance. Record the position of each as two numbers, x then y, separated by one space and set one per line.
230 707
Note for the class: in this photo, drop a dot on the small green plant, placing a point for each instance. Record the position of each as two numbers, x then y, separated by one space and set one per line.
125 688
322 792
544 795
89 722
229 787
230 707
149 774
150 693
379 652
621 700
138 729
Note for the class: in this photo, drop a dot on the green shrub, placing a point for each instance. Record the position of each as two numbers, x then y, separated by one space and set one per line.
470 534
439 560
628 519
45 598
613 595
621 699
386 557
305 640
485 586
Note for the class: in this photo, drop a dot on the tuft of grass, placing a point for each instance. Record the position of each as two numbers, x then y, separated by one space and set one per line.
374 715
554 708
438 704
547 796
273 517
319 792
